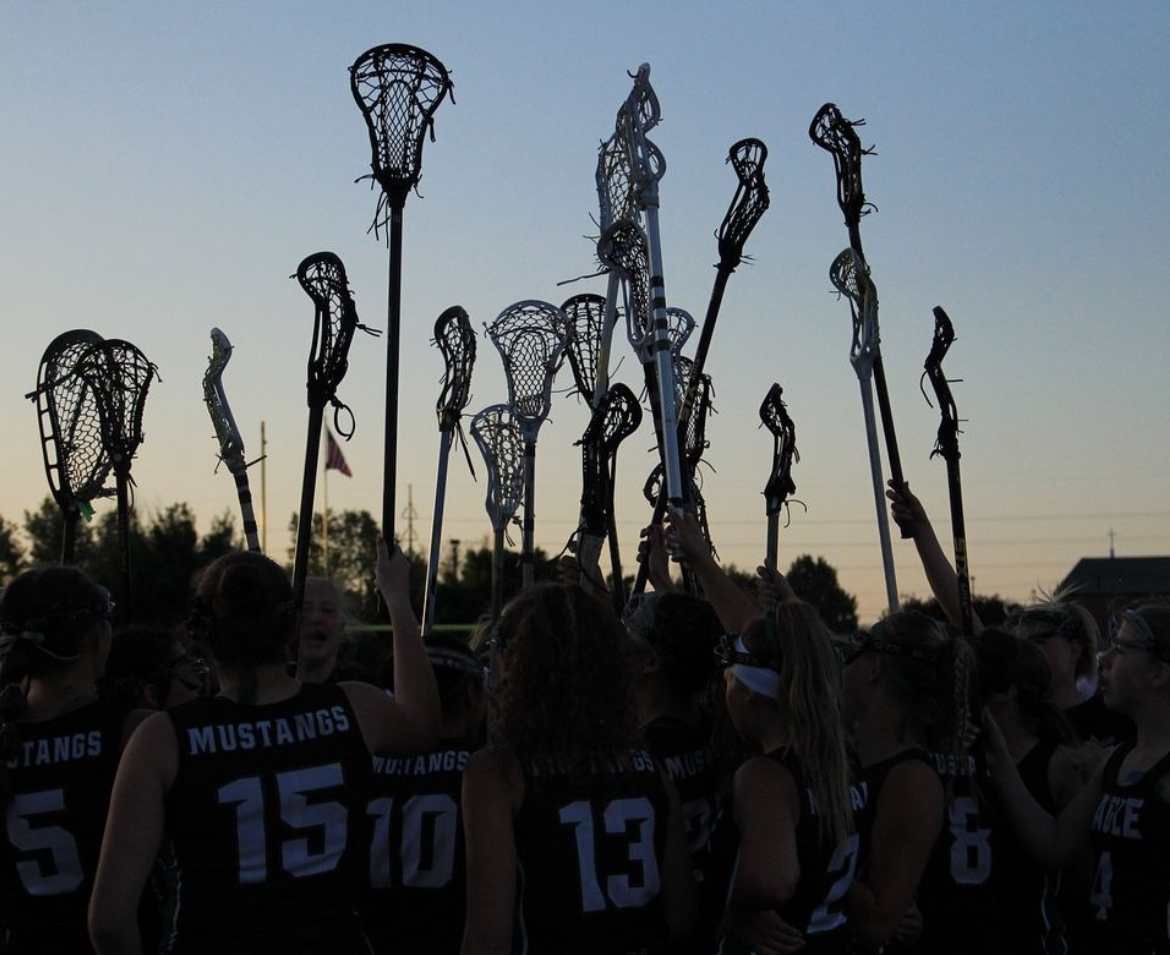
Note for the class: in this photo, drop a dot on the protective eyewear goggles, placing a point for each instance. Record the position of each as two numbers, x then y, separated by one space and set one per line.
1143 636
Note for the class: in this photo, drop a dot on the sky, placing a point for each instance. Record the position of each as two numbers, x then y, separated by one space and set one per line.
165 166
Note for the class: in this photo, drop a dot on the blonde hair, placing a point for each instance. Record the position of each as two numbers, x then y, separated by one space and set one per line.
795 640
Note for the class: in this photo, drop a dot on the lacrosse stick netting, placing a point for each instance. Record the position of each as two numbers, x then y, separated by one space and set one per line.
850 278
231 444
500 442
837 135
774 416
531 337
335 319
585 314
456 342
76 463
947 447
119 375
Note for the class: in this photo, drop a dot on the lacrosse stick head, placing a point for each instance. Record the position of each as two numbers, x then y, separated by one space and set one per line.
695 441
679 326
498 437
231 444
397 87
455 339
748 205
850 277
947 443
774 416
615 182
639 114
623 248
531 337
76 462
838 136
585 314
119 376
323 278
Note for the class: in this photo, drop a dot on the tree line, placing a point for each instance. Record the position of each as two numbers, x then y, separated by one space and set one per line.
167 549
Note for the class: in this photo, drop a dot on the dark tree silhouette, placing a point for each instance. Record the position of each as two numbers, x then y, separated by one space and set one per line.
815 581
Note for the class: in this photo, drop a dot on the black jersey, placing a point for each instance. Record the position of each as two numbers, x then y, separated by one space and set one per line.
590 849
268 818
61 784
1130 836
1093 721
817 907
685 753
417 865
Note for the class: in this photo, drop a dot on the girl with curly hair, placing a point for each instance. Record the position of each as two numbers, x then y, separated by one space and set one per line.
574 834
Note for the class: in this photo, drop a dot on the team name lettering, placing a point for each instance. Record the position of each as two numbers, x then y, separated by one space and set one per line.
444 761
1117 816
688 764
262 734
58 749
637 761
947 764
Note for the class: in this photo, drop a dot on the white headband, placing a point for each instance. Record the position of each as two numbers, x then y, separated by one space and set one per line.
757 679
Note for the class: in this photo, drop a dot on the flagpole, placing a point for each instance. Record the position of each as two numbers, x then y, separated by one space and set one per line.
263 489
325 500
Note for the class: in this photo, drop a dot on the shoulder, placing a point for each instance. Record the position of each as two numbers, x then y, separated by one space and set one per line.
765 782
911 785
152 749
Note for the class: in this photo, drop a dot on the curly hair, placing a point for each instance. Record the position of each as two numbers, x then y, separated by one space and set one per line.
799 646
564 692
243 612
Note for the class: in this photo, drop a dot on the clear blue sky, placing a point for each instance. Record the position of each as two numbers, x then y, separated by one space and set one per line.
164 167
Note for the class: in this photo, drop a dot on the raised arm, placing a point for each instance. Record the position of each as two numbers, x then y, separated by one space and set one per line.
684 539
910 516
412 720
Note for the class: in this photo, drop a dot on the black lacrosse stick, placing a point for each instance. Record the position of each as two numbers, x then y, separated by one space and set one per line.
837 136
397 88
119 376
947 447
76 463
500 440
456 341
586 315
616 417
774 416
748 205
335 320
231 444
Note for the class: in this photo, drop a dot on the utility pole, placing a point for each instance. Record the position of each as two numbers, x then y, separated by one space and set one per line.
410 514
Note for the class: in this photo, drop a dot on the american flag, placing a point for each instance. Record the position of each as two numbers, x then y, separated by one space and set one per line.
333 457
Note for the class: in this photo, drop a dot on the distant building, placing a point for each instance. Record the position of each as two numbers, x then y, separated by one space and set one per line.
1107 584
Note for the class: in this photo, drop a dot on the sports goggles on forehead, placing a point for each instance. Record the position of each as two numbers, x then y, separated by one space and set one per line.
1143 636
1046 623
869 642
730 651
101 608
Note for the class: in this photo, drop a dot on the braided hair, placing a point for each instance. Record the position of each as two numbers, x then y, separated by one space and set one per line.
45 615
243 612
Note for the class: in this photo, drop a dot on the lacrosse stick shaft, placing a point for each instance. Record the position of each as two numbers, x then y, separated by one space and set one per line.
497 574
393 323
618 590
244 492
308 490
875 468
68 536
772 549
429 598
887 414
706 333
527 556
959 532
126 613
613 285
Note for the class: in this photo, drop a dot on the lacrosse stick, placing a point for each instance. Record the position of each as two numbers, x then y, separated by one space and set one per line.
586 316
76 462
498 437
617 416
335 319
456 341
947 447
850 277
397 88
231 444
119 376
836 135
748 204
774 416
531 337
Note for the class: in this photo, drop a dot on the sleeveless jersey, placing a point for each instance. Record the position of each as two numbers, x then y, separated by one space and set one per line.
590 850
817 907
685 753
61 784
1130 837
268 818
417 867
